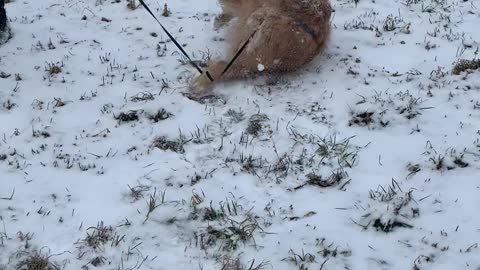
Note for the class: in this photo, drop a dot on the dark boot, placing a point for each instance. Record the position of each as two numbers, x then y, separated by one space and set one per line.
3 16
5 33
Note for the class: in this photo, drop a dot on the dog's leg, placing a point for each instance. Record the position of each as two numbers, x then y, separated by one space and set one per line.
202 84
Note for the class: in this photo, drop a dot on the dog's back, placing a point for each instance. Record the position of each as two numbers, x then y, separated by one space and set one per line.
240 8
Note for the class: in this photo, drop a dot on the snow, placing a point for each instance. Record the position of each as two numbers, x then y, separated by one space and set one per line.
367 158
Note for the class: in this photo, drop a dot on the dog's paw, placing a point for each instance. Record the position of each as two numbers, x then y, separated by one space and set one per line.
201 84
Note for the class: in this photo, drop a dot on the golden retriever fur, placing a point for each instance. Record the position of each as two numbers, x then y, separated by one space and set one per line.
289 34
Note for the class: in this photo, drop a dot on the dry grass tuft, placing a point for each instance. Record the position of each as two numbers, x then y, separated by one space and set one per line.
160 115
132 5
166 12
53 69
37 261
465 65
99 235
164 144
127 116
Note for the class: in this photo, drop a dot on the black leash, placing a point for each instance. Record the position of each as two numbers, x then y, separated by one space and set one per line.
238 53
188 57
175 42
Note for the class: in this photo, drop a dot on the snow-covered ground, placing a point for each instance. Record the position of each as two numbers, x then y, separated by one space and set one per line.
367 159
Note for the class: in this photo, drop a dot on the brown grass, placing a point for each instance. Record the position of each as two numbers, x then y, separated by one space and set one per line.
465 65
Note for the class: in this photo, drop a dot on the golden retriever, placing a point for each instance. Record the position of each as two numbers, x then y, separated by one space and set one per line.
287 35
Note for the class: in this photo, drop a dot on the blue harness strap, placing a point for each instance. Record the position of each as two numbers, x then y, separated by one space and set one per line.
307 29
